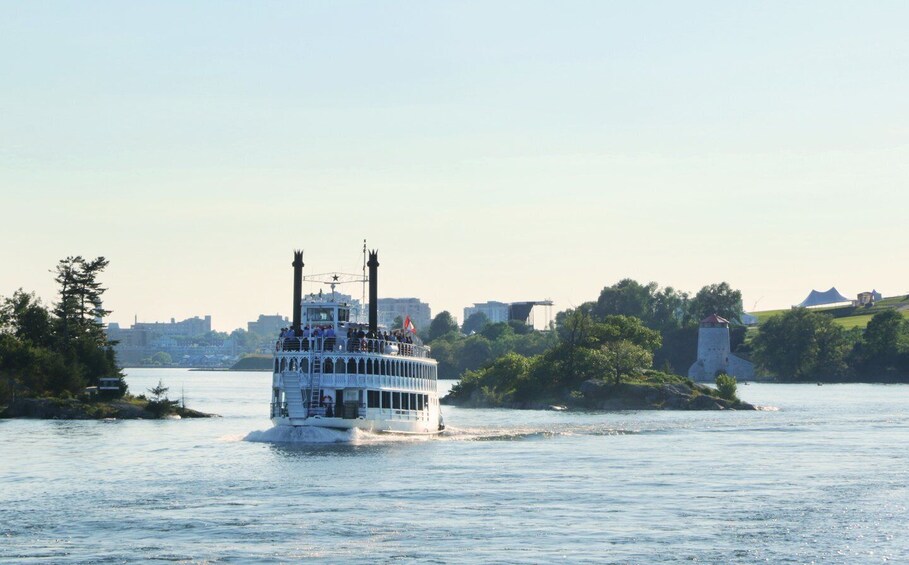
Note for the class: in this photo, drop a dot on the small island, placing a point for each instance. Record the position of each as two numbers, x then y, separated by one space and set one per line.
58 363
595 363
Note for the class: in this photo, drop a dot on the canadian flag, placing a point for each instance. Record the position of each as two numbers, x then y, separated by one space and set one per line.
408 325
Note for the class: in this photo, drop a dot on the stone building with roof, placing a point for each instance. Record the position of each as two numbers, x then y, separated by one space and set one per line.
714 355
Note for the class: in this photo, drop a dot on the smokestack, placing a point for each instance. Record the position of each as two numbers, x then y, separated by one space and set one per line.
298 288
373 265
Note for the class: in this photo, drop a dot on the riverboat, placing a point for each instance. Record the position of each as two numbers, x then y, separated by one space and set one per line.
333 371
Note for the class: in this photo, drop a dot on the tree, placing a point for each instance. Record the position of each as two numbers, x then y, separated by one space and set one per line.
624 359
802 345
720 299
626 298
885 338
474 323
398 323
442 324
161 358
160 404
26 318
726 386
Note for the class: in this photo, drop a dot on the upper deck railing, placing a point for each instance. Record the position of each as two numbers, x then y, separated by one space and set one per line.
343 344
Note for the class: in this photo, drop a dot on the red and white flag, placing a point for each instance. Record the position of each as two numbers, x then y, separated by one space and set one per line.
408 325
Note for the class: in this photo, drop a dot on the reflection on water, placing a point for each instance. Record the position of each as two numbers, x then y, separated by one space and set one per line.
822 480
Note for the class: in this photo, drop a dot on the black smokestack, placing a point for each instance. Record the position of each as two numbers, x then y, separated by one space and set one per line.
373 265
298 287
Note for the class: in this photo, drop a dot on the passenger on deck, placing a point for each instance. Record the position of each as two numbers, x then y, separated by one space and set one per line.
329 411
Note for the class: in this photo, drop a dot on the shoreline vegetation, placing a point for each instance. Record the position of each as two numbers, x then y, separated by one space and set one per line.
58 363
650 391
597 359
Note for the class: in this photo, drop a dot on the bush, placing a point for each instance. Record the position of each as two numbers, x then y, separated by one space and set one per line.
726 386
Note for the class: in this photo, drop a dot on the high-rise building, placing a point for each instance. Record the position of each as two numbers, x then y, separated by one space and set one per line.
267 325
495 311
391 308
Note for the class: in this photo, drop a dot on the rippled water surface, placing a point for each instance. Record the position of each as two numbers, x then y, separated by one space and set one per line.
823 479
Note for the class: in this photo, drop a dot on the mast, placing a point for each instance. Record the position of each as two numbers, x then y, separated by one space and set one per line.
363 300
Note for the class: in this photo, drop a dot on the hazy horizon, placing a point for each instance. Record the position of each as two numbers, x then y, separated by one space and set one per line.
489 151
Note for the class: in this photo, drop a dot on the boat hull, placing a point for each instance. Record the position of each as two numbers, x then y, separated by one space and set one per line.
373 426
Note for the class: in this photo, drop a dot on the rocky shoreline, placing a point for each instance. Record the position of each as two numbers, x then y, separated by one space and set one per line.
599 395
73 409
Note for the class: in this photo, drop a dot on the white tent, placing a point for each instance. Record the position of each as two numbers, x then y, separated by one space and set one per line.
817 298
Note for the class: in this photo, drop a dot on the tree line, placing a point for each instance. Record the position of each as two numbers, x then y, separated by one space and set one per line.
57 350
806 345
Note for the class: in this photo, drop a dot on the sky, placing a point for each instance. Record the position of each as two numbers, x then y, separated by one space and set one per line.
489 150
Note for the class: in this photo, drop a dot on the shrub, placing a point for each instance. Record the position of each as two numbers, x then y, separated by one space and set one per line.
726 386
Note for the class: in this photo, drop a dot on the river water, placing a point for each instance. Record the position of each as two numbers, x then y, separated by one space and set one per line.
823 479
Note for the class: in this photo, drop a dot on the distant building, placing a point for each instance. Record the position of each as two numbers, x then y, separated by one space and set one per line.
188 342
390 308
714 355
507 311
267 326
189 327
868 298
495 311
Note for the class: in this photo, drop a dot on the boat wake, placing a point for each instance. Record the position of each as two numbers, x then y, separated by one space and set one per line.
296 434
314 435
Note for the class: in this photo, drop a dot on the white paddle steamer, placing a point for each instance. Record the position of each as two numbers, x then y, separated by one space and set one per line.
330 371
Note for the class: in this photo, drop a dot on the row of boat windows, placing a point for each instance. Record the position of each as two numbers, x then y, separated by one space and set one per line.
390 367
396 400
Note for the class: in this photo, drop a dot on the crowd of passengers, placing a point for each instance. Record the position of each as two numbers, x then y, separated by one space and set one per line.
357 338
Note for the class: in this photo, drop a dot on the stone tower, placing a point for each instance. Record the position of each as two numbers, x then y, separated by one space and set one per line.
714 355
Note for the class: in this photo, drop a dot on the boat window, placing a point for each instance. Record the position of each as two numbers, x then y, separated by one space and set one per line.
352 367
426 401
420 401
413 401
372 399
343 315
405 401
339 366
386 399
396 400
317 315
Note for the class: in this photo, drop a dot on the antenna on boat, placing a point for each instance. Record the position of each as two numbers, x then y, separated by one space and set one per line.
363 300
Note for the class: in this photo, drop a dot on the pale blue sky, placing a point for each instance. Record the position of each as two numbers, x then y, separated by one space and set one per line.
490 150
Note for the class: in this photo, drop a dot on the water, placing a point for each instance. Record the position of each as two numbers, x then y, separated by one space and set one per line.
823 480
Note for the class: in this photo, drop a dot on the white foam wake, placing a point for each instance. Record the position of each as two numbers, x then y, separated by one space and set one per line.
299 434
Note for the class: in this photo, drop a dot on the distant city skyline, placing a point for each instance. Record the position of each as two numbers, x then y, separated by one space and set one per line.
502 151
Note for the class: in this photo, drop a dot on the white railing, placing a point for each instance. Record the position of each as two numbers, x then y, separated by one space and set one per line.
352 345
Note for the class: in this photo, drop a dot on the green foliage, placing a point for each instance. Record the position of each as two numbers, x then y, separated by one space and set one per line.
58 353
726 386
476 322
802 345
161 358
441 325
720 299
160 405
398 322
626 298
624 359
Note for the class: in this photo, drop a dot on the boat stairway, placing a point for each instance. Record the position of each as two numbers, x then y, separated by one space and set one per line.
293 396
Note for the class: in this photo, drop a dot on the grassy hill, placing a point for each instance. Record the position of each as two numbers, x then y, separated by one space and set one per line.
848 316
